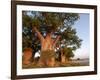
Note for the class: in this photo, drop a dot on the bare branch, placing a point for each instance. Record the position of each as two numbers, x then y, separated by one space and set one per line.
56 41
39 34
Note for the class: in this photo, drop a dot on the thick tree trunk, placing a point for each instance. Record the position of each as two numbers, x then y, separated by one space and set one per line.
27 55
47 43
63 58
67 60
47 47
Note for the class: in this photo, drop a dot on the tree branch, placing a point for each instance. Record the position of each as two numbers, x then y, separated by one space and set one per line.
39 34
56 41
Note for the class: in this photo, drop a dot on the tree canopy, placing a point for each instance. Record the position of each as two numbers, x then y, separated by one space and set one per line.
50 22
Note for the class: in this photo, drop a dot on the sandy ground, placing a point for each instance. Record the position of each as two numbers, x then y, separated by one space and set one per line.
83 62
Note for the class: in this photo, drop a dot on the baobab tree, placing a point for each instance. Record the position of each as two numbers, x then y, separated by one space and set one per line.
47 44
45 31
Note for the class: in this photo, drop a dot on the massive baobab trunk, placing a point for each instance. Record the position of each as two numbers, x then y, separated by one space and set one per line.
27 55
47 56
64 59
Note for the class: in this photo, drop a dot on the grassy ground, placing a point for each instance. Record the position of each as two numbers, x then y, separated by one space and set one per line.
72 63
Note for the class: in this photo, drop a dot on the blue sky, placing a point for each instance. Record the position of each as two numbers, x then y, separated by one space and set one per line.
82 27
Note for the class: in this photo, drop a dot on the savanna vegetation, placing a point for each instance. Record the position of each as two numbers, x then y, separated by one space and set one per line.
50 34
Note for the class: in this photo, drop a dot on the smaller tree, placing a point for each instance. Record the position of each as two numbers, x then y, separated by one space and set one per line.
66 54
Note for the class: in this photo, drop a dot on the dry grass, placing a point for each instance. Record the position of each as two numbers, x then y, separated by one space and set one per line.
58 64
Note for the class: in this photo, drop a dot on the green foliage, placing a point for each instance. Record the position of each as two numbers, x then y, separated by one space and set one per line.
70 37
68 52
53 19
57 23
36 22
26 20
